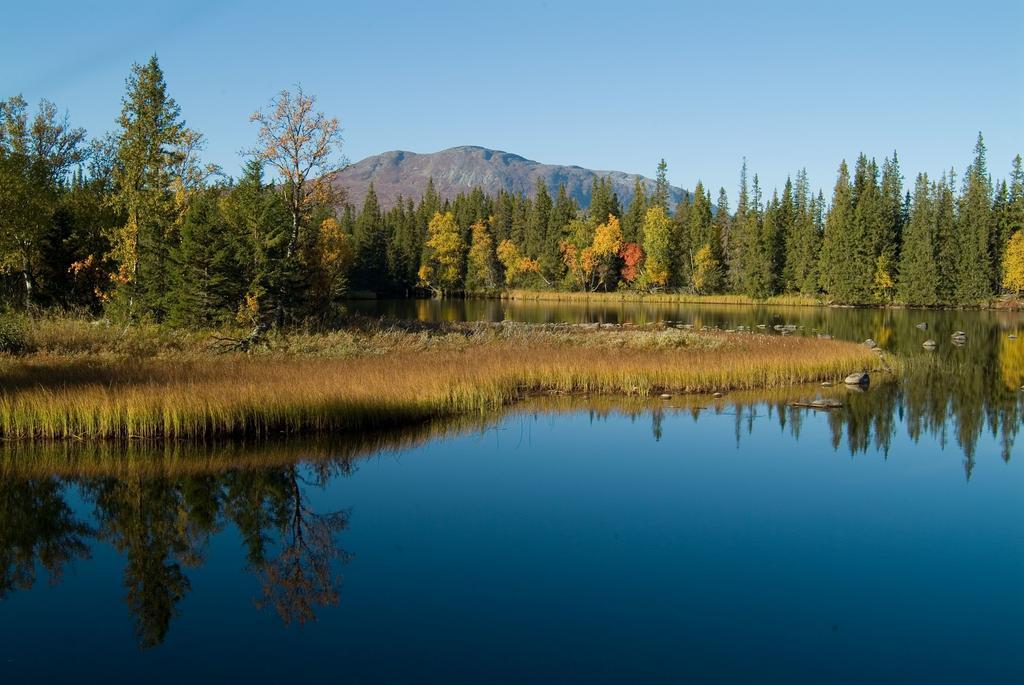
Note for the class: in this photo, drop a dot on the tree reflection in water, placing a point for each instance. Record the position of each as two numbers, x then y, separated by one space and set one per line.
159 505
37 527
163 524
300 578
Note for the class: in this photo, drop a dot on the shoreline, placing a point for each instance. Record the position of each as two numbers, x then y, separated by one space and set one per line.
352 381
634 297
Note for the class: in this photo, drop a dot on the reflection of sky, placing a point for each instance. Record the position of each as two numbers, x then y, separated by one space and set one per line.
576 547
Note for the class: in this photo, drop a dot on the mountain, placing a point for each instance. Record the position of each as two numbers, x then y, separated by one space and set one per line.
459 169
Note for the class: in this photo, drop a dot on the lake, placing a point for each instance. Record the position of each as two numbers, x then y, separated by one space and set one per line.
567 539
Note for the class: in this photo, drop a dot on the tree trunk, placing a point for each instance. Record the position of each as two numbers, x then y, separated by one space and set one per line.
26 276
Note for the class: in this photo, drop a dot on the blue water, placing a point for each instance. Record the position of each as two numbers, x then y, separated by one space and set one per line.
564 547
734 540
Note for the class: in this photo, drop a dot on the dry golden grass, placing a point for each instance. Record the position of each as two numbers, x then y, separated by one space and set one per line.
363 380
332 453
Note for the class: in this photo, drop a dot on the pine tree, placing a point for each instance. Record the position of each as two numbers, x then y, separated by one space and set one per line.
1010 218
504 209
1015 202
680 254
741 240
538 220
563 212
803 242
723 227
865 242
405 246
370 241
633 219
206 284
150 131
603 201
974 217
947 245
846 264
699 234
760 283
257 219
782 241
752 261
520 219
919 276
660 197
430 204
894 207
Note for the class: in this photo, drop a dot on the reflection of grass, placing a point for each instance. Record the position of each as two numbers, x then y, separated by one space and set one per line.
666 298
331 453
355 380
174 458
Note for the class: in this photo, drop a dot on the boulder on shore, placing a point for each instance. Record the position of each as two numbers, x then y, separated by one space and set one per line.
870 344
858 378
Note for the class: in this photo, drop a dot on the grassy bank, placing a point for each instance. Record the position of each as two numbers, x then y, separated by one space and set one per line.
1004 302
659 298
338 452
96 381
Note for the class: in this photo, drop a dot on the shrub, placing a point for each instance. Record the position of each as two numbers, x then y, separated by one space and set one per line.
13 339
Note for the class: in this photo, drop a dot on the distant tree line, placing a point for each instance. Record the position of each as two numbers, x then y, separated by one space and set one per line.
135 225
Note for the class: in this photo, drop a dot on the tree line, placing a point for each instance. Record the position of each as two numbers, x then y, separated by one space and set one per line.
134 224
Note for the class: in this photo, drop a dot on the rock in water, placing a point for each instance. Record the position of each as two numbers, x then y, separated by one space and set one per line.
858 378
922 326
929 344
826 403
666 396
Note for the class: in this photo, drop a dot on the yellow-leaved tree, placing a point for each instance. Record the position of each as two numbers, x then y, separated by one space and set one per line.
480 271
442 262
657 248
516 265
334 256
604 252
706 270
1013 264
577 254
884 285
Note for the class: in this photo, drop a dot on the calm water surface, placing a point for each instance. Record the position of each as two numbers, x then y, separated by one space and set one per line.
739 540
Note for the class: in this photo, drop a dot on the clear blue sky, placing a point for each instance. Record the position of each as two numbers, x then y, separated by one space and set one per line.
603 85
